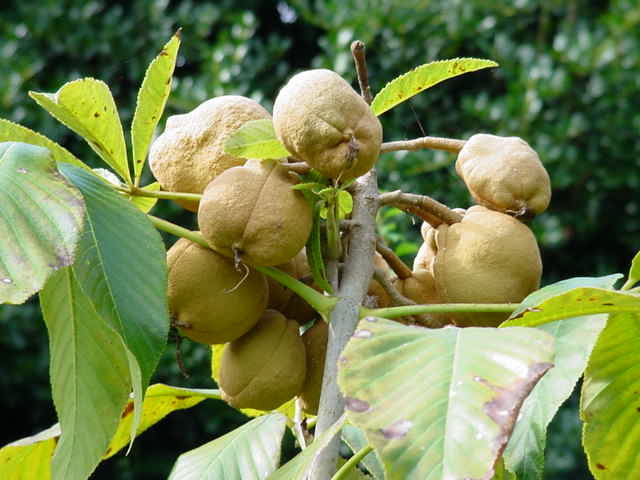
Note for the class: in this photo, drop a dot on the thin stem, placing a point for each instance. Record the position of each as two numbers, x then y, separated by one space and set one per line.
435 212
297 424
628 285
396 264
385 282
403 311
321 303
298 167
435 143
141 192
352 463
358 52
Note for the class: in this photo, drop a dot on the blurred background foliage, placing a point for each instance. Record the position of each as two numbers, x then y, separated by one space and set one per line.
568 83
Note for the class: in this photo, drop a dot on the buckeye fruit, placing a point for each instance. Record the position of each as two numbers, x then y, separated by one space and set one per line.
265 367
209 299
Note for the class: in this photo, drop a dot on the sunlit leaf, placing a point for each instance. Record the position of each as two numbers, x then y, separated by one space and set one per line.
610 407
29 458
440 403
574 340
152 98
298 467
90 375
40 220
250 452
13 132
634 271
420 78
159 401
87 107
575 303
145 204
256 139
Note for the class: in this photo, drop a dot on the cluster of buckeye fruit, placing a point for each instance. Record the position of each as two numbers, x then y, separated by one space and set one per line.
251 216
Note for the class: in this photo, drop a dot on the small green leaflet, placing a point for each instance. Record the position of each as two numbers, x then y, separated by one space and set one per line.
425 76
146 203
256 139
13 132
345 205
40 222
87 107
314 249
152 98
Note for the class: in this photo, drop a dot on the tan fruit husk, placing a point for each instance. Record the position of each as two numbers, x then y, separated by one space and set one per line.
324 122
315 342
426 253
211 301
190 152
279 295
488 257
504 174
252 212
265 367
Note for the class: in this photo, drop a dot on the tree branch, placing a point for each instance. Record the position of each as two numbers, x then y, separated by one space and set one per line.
358 52
427 208
358 269
452 145
397 265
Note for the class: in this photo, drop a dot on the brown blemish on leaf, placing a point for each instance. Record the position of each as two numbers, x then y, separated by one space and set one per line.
397 429
181 397
96 114
109 450
600 466
356 405
127 410
503 409
608 304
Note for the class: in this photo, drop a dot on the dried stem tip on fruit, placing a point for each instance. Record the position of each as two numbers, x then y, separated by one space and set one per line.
323 121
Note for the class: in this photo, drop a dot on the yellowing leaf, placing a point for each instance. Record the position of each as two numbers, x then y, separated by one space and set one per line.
152 98
425 76
29 458
87 107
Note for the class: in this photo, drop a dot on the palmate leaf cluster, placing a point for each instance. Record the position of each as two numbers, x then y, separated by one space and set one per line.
423 399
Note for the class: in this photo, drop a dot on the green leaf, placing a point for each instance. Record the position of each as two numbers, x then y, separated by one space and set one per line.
574 340
298 467
545 293
145 204
90 375
609 404
121 266
40 220
152 98
414 390
256 139
307 186
160 400
575 303
345 205
251 451
634 272
12 132
355 439
29 458
425 76
87 107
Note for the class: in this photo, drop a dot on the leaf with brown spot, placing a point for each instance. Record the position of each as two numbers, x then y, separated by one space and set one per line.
422 385
611 429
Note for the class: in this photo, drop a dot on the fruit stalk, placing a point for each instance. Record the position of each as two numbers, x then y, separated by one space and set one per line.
425 207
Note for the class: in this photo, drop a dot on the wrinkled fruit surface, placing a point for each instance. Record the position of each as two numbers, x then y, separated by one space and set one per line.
489 257
190 152
209 297
315 342
252 212
324 122
504 174
265 367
